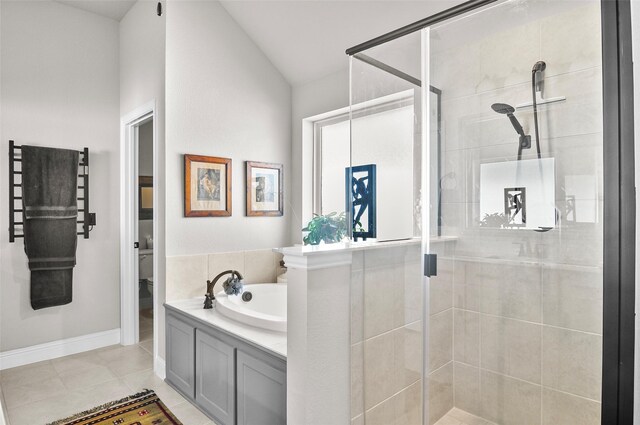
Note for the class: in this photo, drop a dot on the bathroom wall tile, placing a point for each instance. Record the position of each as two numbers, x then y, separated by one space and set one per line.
407 355
382 414
358 420
221 261
572 361
469 122
383 292
513 291
511 347
409 298
259 266
357 379
441 287
466 337
384 257
277 257
458 77
440 392
379 368
572 297
453 218
581 113
579 32
441 339
186 277
357 260
408 405
466 285
567 409
357 306
454 172
506 57
466 387
509 401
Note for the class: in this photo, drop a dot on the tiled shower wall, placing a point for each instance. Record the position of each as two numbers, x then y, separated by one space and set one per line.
187 275
517 317
386 336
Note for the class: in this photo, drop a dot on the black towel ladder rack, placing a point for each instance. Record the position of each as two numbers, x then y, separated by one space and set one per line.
88 219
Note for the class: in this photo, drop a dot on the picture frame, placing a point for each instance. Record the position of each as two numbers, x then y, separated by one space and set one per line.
264 191
145 197
207 186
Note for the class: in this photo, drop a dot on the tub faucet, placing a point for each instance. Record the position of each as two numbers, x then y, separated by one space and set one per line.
232 286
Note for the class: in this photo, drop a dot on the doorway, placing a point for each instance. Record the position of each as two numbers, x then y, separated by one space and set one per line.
139 225
145 234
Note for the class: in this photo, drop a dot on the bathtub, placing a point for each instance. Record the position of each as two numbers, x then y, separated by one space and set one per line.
267 308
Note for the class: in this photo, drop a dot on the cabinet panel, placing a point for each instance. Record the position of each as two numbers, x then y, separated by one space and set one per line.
215 378
180 355
261 391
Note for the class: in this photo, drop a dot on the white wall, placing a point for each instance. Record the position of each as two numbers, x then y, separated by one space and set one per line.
142 79
314 98
60 89
225 99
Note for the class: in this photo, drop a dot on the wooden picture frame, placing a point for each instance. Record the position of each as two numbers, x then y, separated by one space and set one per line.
207 186
145 198
264 191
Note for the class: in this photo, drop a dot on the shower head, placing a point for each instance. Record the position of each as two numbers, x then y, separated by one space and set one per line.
503 108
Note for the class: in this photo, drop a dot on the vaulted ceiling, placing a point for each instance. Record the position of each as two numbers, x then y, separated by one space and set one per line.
304 39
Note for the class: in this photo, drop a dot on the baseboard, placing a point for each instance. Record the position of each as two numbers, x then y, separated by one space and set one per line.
60 348
159 368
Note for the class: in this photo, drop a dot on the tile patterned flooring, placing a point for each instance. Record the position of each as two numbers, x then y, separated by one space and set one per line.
43 392
457 416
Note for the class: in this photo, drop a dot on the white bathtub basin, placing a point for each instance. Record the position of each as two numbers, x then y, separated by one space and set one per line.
267 308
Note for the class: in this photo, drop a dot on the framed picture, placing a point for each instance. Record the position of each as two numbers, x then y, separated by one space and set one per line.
207 186
145 197
264 189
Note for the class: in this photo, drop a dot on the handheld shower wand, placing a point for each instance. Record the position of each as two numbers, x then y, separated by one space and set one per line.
525 140
536 83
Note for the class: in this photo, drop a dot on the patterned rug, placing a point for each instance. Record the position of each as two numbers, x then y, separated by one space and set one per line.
144 408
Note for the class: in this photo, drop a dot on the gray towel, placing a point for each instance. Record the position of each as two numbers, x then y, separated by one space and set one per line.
50 212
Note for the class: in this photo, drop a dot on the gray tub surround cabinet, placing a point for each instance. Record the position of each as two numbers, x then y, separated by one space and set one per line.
236 374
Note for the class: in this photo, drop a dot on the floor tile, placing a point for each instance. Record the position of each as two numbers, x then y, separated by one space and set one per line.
188 414
77 362
147 379
26 374
31 393
76 379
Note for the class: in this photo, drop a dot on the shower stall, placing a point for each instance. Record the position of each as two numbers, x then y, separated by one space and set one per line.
506 303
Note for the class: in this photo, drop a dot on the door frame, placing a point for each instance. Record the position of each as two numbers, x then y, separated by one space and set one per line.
129 326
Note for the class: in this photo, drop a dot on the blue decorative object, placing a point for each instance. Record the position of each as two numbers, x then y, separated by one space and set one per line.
360 192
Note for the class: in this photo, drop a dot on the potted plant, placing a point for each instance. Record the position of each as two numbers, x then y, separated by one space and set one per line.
328 228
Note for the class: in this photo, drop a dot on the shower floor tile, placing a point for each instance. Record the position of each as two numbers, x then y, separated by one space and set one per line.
457 416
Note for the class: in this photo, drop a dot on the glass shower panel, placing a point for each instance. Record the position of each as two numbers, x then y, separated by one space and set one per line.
515 335
383 186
